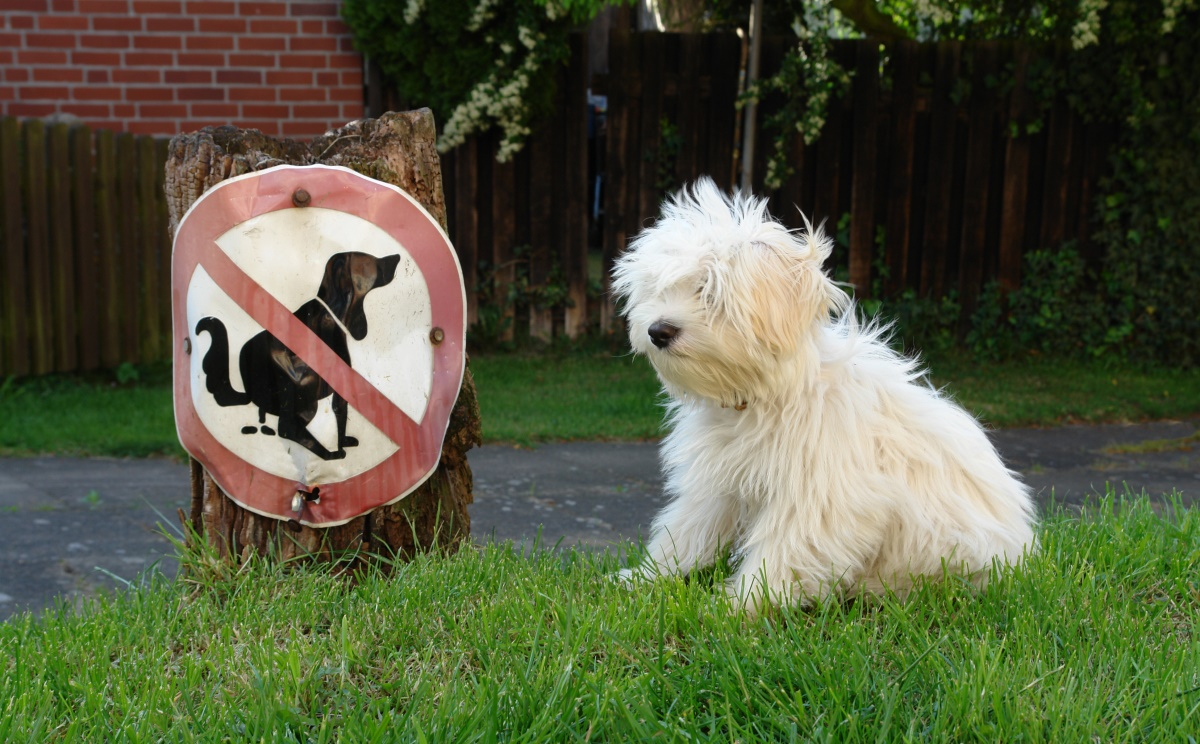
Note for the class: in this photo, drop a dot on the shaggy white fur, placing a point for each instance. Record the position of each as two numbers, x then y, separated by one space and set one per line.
799 439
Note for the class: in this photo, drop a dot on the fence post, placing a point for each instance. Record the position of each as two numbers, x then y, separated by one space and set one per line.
86 275
575 243
620 171
15 332
940 183
900 192
466 220
62 254
38 247
107 253
1016 177
147 252
862 199
977 183
128 242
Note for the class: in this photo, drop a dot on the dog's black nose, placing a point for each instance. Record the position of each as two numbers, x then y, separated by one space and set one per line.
662 334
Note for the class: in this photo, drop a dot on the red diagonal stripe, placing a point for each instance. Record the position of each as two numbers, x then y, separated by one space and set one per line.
277 320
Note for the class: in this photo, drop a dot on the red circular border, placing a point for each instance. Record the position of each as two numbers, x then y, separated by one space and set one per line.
231 203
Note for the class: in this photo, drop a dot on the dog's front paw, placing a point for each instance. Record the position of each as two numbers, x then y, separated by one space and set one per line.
630 577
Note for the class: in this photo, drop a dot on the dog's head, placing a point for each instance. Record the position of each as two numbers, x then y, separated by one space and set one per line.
348 278
717 294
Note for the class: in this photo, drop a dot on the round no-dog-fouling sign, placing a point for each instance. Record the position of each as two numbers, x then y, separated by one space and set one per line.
319 319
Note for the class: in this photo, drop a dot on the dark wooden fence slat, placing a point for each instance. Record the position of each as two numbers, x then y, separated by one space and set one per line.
556 185
699 108
826 203
128 243
940 182
38 243
150 286
649 197
724 50
1058 158
619 170
692 122
575 269
1098 139
543 168
62 249
862 200
466 221
1074 176
789 195
162 248
504 233
86 275
1016 175
15 351
108 257
900 192
977 184
771 50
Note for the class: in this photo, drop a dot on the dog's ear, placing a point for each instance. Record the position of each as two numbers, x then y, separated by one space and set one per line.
787 292
387 269
336 286
339 289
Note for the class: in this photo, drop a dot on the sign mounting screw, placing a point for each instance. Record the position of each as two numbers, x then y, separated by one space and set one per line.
437 335
301 198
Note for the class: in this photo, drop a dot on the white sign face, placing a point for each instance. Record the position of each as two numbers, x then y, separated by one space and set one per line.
286 253
320 326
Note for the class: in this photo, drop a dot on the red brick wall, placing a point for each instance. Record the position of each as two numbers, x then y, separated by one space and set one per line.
164 66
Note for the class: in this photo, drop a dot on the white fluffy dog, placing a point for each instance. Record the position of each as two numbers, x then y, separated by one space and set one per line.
798 437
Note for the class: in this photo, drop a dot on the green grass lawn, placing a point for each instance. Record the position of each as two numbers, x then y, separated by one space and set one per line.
1094 639
89 415
584 394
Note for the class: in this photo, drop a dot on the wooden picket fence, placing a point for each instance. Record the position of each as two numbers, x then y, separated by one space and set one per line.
83 246
919 156
671 118
917 163
524 223
527 223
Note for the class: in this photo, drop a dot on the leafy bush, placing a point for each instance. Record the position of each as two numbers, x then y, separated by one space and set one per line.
478 65
1055 311
1135 67
1146 82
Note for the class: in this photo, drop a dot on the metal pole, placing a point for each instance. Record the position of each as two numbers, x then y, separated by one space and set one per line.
756 14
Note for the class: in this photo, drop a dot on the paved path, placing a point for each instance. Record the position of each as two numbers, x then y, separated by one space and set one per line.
70 528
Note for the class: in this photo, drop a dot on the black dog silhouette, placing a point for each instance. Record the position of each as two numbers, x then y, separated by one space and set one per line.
281 383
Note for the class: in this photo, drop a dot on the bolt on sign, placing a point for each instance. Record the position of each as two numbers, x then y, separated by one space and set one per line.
319 320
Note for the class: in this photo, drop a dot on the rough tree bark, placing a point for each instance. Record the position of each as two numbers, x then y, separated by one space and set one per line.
397 148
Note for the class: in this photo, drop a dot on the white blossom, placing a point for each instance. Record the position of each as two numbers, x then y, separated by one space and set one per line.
482 14
1087 29
933 12
527 37
501 102
412 10
1171 9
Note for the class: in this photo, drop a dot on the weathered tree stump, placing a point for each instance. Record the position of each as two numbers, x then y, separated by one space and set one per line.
397 148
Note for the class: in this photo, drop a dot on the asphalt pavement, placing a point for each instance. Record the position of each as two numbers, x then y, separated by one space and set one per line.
73 528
